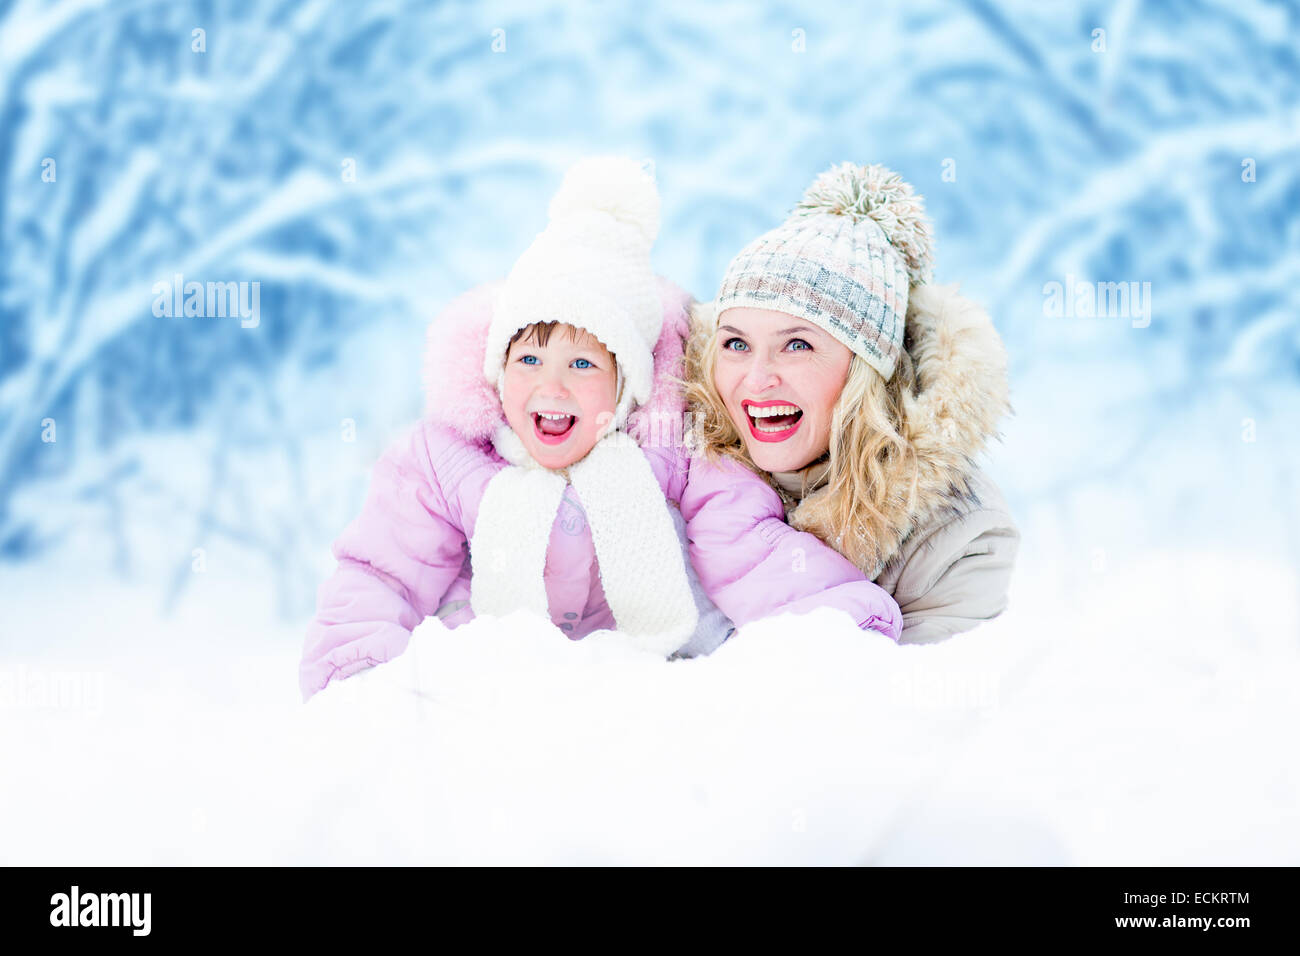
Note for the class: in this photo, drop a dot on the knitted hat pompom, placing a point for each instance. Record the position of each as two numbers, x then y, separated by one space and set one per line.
880 194
616 185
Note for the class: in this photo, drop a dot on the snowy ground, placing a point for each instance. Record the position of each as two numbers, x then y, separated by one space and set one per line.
1129 731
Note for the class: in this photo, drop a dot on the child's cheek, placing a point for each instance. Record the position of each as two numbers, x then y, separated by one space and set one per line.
512 387
595 399
512 402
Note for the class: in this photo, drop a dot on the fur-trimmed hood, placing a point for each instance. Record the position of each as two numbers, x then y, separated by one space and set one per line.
961 394
457 394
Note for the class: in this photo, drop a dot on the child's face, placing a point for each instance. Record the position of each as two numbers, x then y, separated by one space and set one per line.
559 396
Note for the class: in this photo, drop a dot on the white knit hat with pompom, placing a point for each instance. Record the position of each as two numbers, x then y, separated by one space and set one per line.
845 259
590 268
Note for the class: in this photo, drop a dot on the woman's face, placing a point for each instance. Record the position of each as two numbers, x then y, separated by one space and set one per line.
779 377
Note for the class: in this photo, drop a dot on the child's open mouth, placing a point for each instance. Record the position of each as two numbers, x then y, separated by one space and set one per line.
552 428
772 421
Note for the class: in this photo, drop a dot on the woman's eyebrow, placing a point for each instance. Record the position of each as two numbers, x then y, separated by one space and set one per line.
731 328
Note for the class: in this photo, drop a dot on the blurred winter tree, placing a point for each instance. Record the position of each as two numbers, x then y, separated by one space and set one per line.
1112 142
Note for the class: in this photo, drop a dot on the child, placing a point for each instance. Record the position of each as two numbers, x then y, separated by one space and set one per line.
524 487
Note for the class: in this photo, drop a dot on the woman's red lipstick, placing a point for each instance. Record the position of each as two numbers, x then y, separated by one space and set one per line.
796 417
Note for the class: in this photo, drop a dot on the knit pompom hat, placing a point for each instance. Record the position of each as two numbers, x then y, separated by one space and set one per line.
845 260
590 268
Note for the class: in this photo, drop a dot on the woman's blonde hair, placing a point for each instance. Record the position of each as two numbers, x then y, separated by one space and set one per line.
873 478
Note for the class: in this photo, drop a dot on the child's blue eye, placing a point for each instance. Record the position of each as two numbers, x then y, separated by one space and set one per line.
582 363
739 345
529 359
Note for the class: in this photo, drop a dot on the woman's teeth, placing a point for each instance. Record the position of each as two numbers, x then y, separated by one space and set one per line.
774 418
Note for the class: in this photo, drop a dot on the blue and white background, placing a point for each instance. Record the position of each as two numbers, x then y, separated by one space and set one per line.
170 484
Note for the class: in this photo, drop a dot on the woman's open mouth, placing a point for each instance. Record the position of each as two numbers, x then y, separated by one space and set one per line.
551 428
772 421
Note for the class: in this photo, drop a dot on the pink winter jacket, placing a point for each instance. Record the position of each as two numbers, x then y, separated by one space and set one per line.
406 556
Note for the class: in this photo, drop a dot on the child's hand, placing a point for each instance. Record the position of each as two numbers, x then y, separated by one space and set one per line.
397 676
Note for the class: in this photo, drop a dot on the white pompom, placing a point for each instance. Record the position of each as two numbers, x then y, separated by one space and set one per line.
621 187
880 194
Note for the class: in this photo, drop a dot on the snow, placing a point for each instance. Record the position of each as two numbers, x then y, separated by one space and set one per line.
1129 732
158 563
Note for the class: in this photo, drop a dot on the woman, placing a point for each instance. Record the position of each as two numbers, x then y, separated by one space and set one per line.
828 365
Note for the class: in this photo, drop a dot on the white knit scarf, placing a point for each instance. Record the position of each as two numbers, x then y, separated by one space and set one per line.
637 548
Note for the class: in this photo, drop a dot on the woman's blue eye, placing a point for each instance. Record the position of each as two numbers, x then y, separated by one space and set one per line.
801 343
529 359
582 363
735 345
